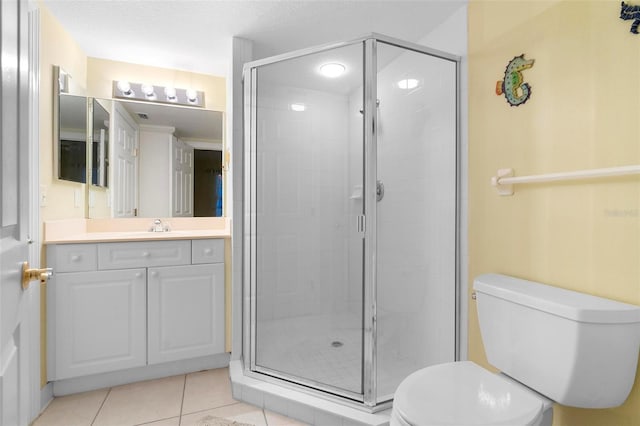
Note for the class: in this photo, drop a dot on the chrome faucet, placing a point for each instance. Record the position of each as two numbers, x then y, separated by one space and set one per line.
157 226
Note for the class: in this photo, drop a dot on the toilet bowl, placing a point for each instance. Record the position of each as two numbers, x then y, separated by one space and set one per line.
463 393
545 341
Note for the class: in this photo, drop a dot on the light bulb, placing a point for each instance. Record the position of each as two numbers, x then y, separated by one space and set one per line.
148 91
408 83
332 70
192 96
125 88
171 94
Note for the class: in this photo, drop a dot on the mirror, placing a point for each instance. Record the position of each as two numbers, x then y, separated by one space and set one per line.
100 144
183 178
161 161
72 138
73 128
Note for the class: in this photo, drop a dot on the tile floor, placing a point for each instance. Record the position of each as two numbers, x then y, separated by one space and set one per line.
184 400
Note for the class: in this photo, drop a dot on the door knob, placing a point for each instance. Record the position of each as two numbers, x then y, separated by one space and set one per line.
30 274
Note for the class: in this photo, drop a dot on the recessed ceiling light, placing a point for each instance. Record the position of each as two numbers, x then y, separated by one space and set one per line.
332 70
298 107
408 83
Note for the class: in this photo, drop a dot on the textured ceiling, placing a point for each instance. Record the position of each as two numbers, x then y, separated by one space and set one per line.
195 35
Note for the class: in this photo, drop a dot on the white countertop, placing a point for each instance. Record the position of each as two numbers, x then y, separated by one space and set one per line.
119 230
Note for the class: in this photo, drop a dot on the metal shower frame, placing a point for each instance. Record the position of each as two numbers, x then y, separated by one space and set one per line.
368 399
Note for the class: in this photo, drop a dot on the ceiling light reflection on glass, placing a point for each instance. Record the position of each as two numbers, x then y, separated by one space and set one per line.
332 69
408 83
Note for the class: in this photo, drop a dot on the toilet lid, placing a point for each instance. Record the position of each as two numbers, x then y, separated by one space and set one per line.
463 393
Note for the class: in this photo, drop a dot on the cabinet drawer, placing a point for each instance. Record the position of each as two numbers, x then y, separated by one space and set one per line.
75 258
144 254
207 251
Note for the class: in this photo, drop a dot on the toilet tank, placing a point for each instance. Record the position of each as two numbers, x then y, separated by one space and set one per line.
576 349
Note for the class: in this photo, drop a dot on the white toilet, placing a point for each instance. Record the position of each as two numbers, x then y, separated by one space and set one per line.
551 345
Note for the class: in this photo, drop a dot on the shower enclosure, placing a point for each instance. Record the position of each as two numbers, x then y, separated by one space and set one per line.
350 231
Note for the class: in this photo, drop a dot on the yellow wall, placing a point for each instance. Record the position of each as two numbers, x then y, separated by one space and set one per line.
584 112
57 48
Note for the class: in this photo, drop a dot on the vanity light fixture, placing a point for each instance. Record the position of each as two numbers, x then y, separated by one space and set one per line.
298 107
332 69
408 83
158 94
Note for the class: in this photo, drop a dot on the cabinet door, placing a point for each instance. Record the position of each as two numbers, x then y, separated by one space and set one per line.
185 312
100 322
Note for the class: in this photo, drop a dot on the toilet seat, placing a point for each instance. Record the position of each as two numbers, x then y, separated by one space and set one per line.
463 393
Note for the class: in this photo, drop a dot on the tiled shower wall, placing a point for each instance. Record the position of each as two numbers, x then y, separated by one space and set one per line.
303 157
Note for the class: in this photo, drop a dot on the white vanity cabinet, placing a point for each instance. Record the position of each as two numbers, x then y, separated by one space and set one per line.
114 306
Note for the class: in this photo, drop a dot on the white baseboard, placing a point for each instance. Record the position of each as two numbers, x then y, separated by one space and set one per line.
149 372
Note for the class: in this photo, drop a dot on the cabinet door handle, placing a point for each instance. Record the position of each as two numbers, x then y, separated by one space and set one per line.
76 257
145 254
207 251
154 273
138 274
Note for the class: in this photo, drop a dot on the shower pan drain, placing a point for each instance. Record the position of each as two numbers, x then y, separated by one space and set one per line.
336 343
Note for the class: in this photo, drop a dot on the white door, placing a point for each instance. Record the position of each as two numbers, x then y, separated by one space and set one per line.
15 339
187 180
125 168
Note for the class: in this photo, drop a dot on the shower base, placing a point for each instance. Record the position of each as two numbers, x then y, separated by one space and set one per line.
327 349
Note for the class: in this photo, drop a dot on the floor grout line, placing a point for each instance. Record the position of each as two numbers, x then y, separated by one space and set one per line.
101 405
212 408
266 422
158 420
184 389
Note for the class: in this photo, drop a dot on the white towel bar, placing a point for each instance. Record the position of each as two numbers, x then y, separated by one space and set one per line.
504 179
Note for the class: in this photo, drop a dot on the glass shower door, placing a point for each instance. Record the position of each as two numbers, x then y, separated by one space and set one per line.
416 217
306 207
